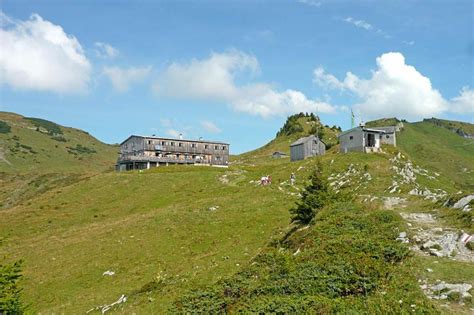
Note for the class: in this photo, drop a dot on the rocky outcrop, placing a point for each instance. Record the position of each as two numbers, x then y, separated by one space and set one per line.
442 291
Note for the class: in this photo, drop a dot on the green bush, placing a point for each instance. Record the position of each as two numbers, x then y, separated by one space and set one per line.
80 149
51 128
10 292
59 138
4 127
291 126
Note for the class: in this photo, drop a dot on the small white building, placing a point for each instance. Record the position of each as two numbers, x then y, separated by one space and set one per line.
307 147
363 139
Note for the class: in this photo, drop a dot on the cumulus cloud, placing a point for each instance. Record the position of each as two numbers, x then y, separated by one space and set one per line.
122 78
464 103
396 89
104 50
38 55
210 127
214 79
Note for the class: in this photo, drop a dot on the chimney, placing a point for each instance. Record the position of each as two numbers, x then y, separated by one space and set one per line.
180 136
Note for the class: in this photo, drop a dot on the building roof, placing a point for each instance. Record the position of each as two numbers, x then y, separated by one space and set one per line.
173 139
304 140
388 129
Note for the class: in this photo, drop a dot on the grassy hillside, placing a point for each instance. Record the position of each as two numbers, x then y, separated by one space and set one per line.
181 236
459 127
36 145
37 155
441 150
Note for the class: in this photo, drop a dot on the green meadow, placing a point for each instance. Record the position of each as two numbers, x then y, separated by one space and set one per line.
205 239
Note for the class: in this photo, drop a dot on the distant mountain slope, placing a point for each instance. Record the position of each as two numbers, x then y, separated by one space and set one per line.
441 150
463 129
41 146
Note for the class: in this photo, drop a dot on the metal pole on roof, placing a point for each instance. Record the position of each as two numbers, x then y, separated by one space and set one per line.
352 119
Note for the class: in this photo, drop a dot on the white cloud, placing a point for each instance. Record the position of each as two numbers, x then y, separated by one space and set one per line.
173 133
396 89
210 127
409 43
214 79
104 50
366 26
312 3
464 103
38 55
359 23
122 78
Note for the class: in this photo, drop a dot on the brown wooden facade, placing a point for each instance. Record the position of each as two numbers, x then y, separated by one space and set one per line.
141 152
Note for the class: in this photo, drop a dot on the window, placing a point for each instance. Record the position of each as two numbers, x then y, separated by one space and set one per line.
223 147
193 145
206 146
216 147
180 144
149 141
218 158
163 142
351 137
172 143
387 136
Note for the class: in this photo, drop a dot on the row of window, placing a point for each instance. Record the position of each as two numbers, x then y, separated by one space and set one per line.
386 136
193 145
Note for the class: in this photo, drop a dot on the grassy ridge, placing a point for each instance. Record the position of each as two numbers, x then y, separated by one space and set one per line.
441 151
38 146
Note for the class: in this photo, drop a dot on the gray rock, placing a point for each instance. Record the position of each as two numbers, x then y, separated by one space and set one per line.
461 203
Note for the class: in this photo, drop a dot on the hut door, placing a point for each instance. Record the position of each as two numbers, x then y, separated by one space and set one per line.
370 140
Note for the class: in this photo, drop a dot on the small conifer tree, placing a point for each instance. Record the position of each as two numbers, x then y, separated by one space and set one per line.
315 196
10 300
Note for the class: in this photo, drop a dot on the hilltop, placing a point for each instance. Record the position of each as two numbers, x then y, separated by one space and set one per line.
190 239
295 127
41 146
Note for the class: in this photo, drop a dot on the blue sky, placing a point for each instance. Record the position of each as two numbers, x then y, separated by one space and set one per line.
233 70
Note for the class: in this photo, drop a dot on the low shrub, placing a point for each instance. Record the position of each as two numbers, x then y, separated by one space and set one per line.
4 127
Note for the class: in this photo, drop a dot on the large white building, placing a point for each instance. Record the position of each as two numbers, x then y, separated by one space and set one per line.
141 152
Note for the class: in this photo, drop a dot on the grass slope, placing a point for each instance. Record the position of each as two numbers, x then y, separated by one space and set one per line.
37 155
33 145
440 150
172 230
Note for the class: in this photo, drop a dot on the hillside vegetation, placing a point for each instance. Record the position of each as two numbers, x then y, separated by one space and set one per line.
201 239
37 155
37 145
